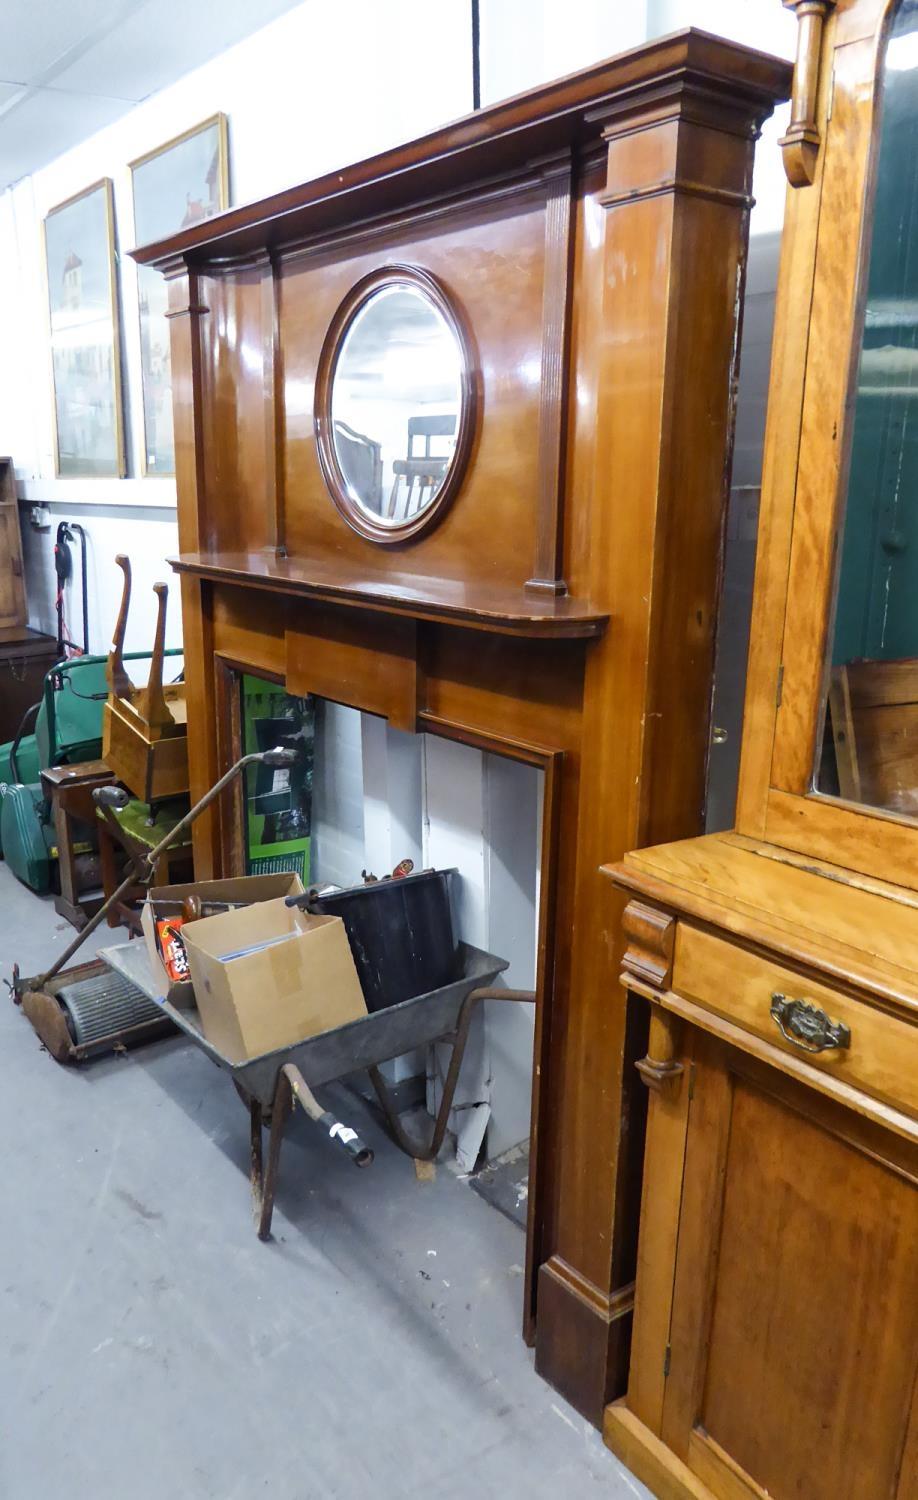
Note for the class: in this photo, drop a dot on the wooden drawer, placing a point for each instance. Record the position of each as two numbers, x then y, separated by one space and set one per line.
882 1055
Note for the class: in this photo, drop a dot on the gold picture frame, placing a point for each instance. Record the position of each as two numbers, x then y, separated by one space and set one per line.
184 180
83 311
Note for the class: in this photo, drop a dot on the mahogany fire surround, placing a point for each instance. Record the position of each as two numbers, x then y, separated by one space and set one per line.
562 611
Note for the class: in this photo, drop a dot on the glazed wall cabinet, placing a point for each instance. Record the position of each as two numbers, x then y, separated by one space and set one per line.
775 1347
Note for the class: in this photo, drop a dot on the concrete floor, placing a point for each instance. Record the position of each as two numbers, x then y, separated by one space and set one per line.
152 1347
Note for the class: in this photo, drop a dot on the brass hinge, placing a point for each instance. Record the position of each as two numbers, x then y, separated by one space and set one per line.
667 1356
831 104
779 690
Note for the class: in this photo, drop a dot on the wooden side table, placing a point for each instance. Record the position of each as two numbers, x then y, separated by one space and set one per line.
69 789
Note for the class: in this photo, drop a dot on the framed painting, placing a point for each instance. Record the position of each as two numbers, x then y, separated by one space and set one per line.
85 346
177 184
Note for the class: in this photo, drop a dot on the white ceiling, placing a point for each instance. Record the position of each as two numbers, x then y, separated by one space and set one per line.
69 67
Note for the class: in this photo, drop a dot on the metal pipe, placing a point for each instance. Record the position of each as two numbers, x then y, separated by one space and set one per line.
405 1141
143 867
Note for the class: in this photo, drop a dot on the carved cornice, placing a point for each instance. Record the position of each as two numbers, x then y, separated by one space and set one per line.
698 78
702 146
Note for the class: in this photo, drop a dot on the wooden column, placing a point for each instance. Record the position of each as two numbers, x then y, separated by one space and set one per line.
674 231
186 311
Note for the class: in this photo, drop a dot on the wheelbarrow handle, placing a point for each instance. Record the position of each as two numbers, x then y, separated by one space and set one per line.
348 1139
343 1135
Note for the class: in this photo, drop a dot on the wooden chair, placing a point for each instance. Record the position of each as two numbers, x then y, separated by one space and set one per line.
874 709
421 473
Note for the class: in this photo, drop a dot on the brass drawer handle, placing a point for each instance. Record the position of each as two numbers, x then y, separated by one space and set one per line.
807 1026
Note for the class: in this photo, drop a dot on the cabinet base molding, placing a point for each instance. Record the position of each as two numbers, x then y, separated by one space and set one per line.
583 1338
649 1459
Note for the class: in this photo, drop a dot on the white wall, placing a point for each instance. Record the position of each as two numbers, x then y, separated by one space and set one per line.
337 840
764 24
528 42
380 796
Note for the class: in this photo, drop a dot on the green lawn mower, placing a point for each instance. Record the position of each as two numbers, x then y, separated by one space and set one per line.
65 728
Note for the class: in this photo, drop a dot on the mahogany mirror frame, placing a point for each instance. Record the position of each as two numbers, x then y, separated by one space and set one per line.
390 533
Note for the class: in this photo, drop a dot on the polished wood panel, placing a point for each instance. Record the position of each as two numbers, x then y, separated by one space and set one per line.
592 237
327 655
831 1206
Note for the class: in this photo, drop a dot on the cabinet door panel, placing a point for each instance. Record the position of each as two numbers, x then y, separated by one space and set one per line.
803 1370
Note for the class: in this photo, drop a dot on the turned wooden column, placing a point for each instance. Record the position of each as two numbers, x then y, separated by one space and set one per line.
673 219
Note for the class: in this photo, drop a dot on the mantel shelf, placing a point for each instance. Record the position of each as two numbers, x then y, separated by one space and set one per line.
447 601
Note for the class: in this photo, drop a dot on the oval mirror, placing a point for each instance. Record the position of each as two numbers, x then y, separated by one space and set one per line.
393 404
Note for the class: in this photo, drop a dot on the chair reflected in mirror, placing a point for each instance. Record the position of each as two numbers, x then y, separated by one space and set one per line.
418 477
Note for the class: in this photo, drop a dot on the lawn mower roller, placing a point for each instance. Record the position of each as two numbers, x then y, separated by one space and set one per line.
81 1012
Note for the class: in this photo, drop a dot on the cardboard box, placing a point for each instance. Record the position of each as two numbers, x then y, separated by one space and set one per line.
243 888
270 976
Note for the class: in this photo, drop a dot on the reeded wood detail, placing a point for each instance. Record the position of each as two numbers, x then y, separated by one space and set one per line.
800 145
556 320
274 407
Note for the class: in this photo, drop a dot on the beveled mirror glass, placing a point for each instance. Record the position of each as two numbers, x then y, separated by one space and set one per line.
869 751
393 406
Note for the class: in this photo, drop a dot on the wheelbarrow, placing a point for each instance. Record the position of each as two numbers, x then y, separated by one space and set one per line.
270 1085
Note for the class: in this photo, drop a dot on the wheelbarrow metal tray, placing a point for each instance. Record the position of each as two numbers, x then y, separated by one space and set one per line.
371 1039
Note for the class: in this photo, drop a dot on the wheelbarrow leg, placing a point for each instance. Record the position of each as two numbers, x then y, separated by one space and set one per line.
413 1147
292 1089
264 1186
256 1173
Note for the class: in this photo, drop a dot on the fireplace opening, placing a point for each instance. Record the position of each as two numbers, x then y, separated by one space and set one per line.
364 799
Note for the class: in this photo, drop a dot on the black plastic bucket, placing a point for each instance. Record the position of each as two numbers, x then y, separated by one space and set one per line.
401 935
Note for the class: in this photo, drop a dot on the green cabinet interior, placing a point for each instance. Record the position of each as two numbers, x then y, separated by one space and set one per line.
278 800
